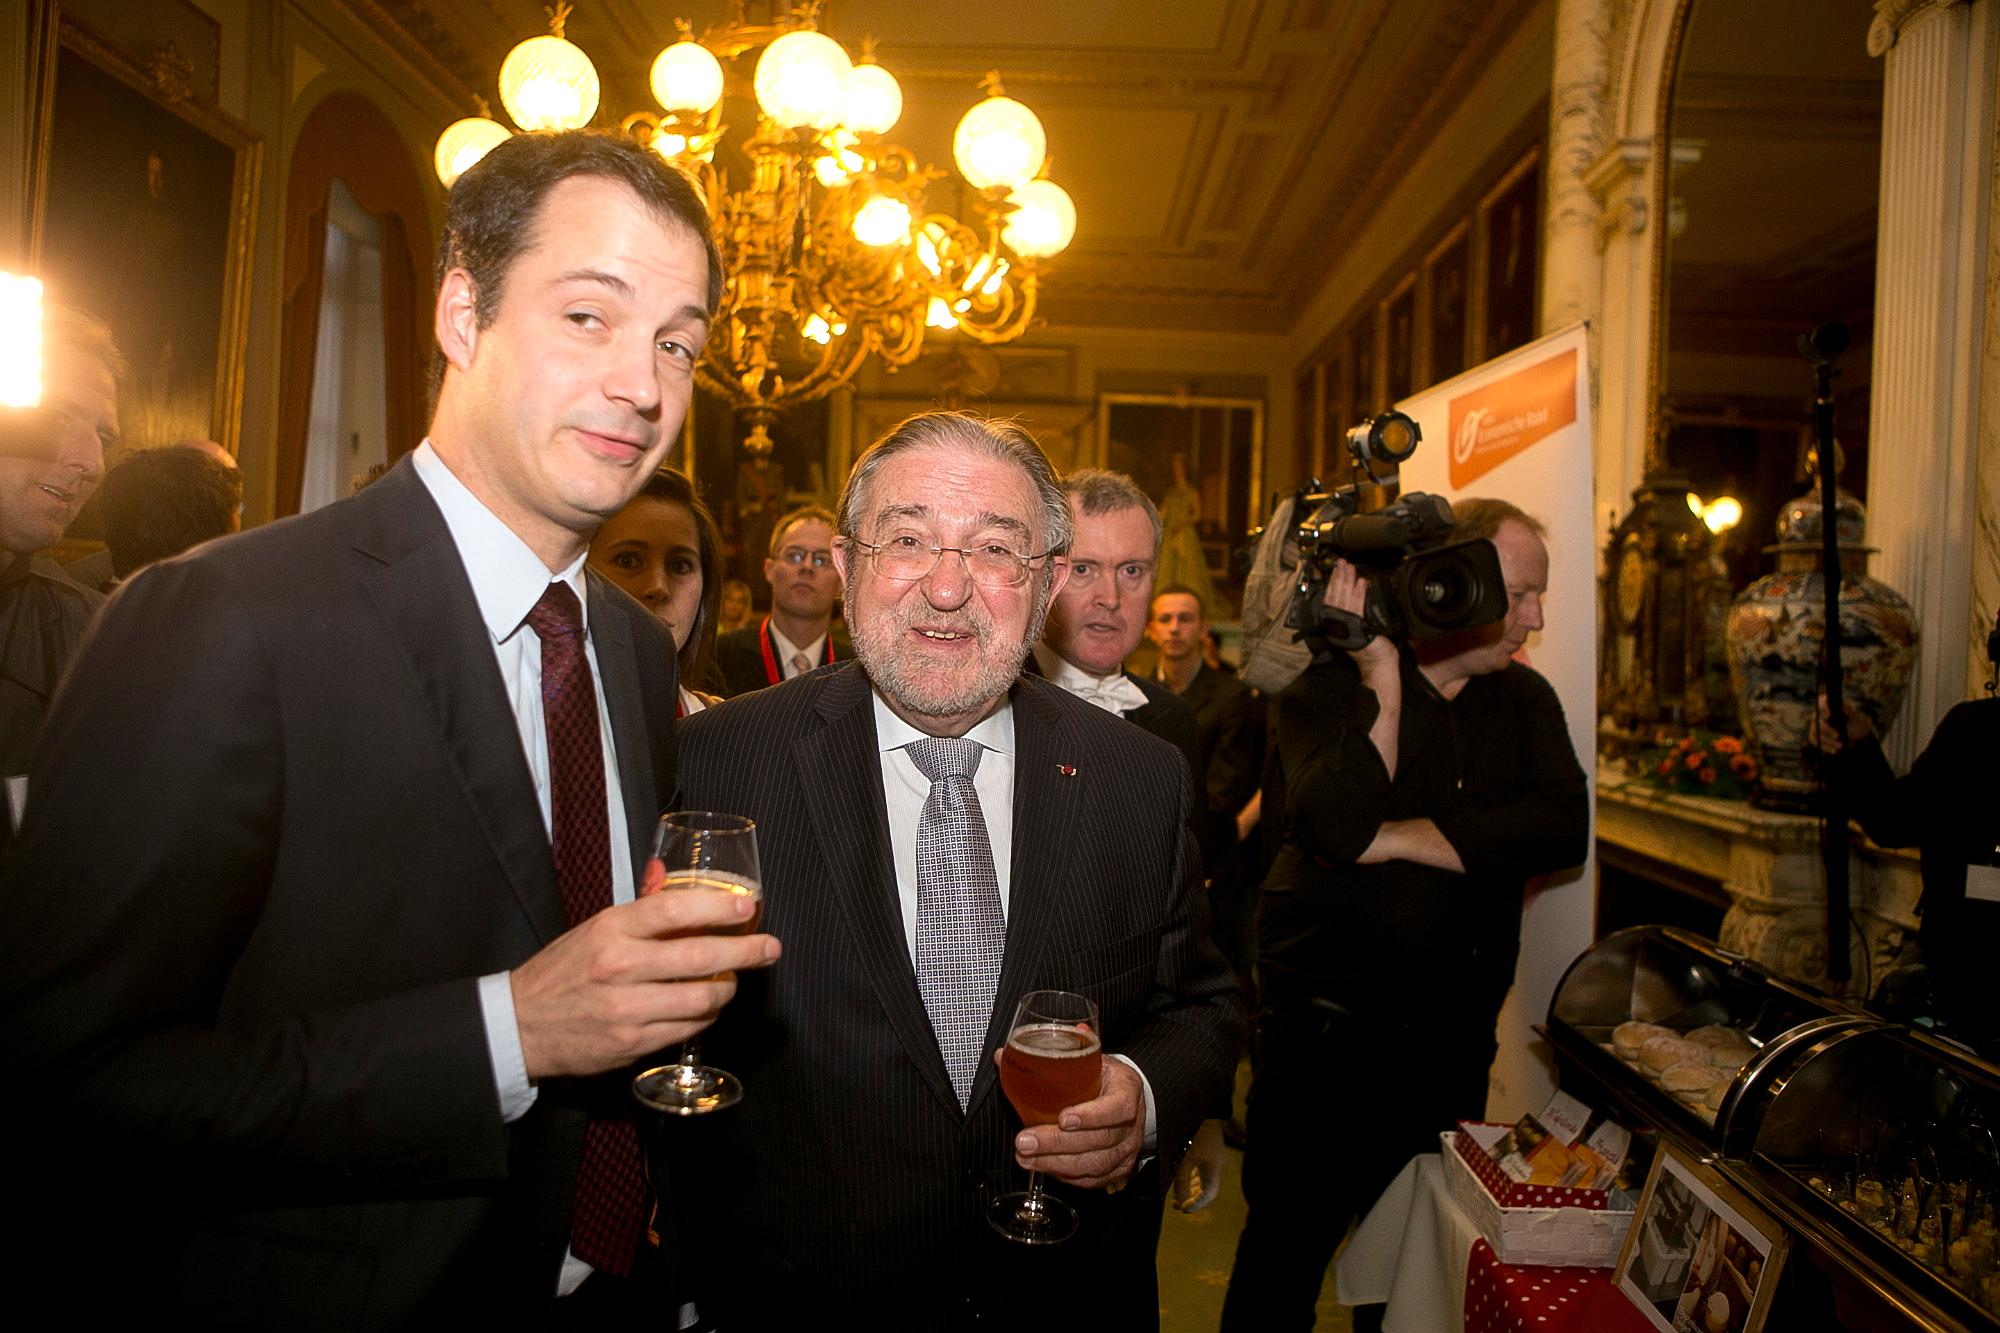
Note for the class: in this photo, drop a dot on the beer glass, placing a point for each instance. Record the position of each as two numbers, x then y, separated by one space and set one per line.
700 849
1054 1059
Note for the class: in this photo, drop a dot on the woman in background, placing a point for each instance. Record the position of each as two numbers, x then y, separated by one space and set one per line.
664 548
736 608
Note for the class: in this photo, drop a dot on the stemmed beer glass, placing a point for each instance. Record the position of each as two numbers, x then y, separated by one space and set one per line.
1054 1059
700 849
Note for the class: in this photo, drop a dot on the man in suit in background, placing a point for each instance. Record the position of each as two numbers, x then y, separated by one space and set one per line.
940 835
1099 615
309 938
800 633
51 459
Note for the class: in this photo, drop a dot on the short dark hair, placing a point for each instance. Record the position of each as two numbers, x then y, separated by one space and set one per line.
1179 590
1099 491
697 656
803 514
492 211
1479 516
159 502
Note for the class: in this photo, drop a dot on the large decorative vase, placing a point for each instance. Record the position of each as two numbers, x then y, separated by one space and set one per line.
1776 630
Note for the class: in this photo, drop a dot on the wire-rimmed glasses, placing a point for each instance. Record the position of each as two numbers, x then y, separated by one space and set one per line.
907 557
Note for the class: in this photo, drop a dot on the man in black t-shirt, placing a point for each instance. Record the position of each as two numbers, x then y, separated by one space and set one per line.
1421 791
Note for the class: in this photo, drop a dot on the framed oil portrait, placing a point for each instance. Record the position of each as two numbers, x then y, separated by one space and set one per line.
141 209
1447 304
1399 319
1201 459
1699 1258
1510 222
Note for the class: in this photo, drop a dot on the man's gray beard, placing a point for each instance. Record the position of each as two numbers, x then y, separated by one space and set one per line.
984 690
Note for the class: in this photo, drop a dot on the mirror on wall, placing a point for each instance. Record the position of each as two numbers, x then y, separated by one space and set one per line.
1777 126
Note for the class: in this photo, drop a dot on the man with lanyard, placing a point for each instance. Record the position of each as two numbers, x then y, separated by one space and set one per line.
799 634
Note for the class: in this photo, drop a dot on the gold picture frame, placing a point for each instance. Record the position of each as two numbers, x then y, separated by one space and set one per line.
141 209
1699 1257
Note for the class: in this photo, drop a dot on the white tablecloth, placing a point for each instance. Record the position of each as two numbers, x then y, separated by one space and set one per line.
1410 1252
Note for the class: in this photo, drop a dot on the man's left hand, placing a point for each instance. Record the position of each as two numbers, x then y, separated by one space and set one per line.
1095 1143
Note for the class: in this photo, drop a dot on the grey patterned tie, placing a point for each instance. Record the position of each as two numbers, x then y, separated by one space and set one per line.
960 932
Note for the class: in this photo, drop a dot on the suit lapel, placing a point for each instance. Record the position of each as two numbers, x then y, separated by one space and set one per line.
618 668
413 573
851 824
1045 802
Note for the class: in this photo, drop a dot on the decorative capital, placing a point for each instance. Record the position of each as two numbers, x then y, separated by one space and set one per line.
171 74
1892 16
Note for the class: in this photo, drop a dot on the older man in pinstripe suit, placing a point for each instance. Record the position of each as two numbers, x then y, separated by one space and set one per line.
849 1186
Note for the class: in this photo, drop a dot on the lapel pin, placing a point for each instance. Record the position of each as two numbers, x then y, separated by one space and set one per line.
1067 770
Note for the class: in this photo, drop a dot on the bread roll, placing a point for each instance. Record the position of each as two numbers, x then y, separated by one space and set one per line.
1629 1037
1663 1053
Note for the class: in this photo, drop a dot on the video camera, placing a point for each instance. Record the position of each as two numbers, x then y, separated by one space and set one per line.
1421 583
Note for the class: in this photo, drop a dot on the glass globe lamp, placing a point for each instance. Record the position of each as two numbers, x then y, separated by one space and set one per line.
1043 222
883 220
463 143
874 100
999 144
801 80
548 83
687 78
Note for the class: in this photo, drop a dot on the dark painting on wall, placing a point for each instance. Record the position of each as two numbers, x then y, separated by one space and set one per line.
142 217
1449 291
1307 405
1400 313
1513 231
1367 398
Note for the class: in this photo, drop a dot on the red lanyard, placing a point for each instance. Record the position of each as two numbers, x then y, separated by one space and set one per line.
772 674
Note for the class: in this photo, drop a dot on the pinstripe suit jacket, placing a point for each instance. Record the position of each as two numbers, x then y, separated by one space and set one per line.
849 1184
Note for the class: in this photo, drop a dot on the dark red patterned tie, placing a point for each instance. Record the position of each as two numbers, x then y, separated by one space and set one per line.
610 1208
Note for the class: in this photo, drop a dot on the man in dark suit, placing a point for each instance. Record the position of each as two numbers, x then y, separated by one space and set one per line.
849 1187
800 633
309 940
1099 616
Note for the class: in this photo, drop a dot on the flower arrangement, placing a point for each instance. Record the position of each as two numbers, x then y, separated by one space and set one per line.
1701 763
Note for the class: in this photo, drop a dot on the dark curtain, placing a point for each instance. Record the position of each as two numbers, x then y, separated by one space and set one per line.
347 136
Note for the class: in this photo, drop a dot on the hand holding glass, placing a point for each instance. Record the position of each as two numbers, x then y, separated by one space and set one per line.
700 849
1054 1059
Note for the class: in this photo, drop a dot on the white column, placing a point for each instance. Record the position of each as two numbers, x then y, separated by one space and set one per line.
1937 117
1621 181
1572 263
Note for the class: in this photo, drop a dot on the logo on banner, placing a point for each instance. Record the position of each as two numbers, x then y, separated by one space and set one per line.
1492 423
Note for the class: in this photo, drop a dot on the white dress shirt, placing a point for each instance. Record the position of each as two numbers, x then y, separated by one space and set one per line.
507 580
904 790
786 650
1114 693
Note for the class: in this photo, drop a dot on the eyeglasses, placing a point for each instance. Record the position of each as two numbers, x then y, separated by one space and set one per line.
907 558
1131 576
799 555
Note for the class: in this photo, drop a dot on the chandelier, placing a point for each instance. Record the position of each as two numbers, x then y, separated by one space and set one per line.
829 249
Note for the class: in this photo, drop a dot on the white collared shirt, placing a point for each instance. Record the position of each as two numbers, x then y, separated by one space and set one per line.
785 650
904 790
507 580
1114 693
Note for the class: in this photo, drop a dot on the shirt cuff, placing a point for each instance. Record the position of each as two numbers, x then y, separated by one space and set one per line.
503 1044
1152 1109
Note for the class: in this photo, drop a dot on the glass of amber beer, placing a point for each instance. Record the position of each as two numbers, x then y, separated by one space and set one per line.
1053 1060
700 849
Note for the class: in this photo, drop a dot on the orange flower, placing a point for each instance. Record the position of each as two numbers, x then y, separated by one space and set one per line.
1707 776
1743 766
1697 759
1666 768
1728 745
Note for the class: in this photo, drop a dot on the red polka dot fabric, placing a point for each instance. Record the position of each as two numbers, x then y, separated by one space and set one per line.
1500 1299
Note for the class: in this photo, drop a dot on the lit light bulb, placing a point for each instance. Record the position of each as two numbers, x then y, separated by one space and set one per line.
1695 505
816 329
883 220
1043 221
20 341
928 241
463 143
874 100
548 83
999 144
668 144
1725 513
801 80
991 287
938 316
687 77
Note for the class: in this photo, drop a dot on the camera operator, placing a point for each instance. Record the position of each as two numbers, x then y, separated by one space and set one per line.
1419 790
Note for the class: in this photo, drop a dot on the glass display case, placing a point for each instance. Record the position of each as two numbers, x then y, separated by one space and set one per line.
1878 1149
1679 1032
